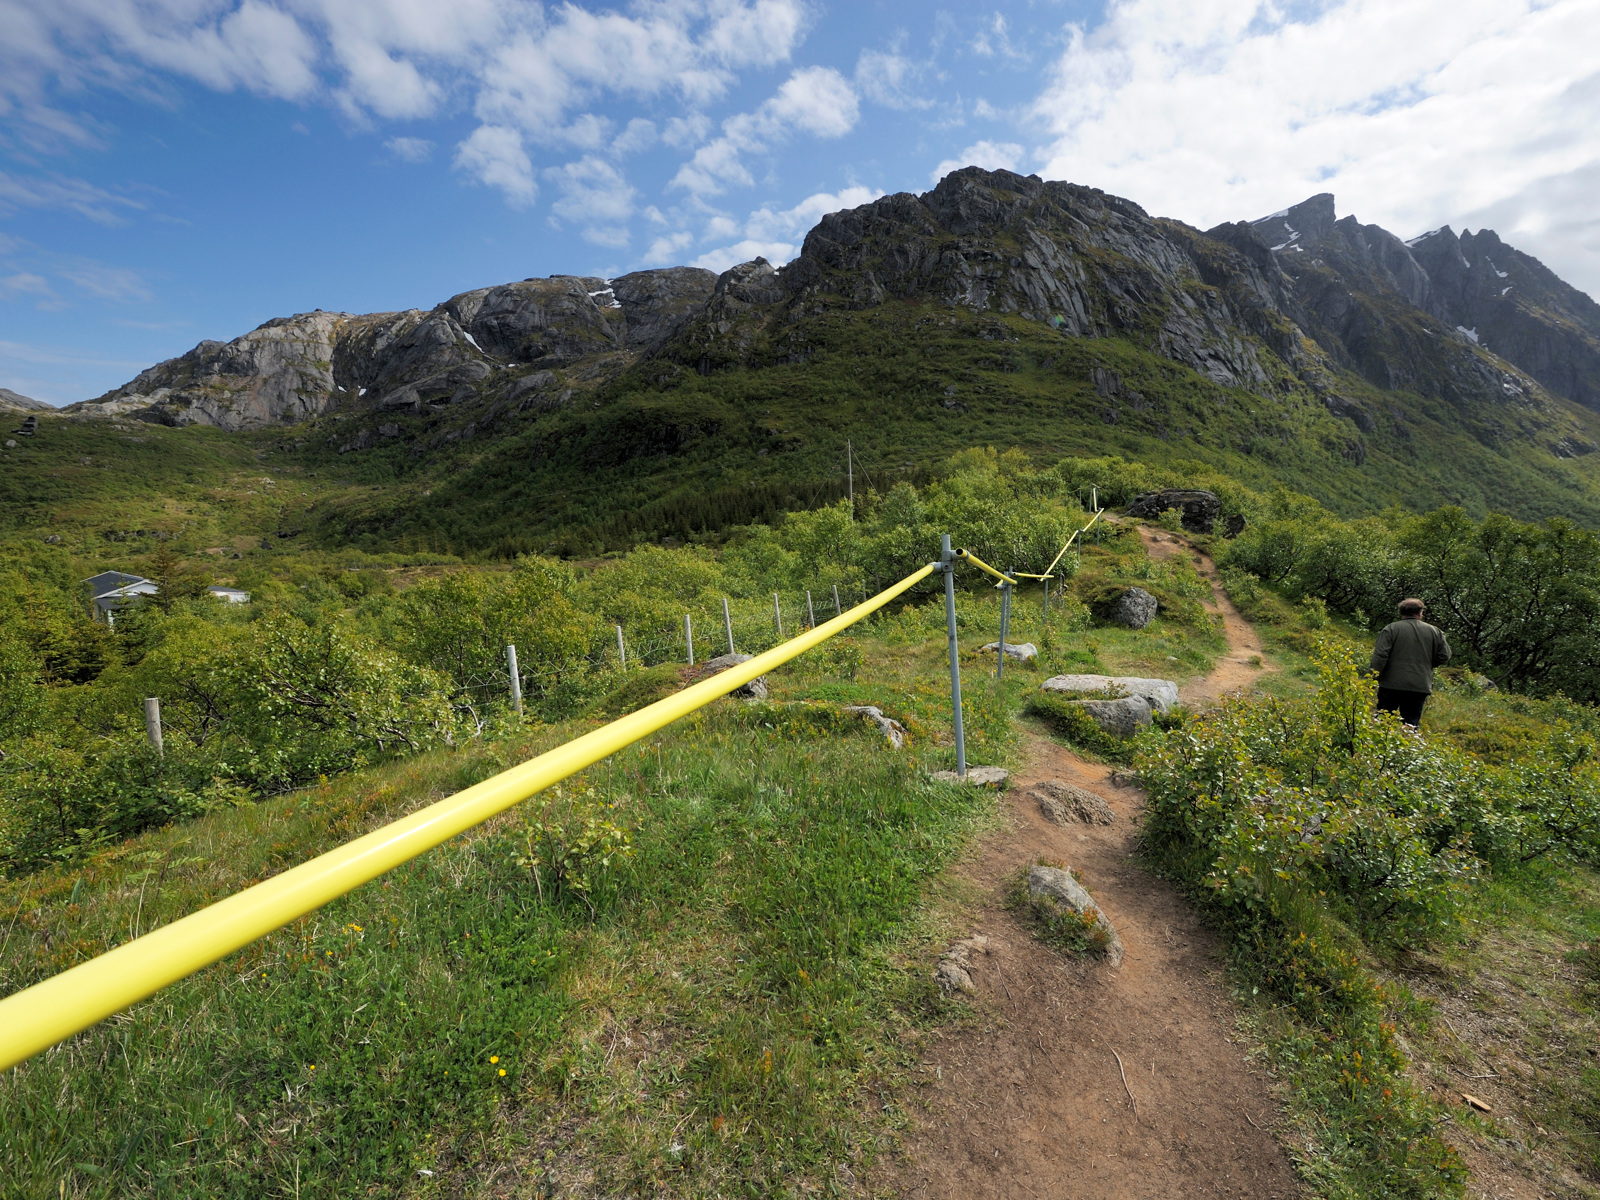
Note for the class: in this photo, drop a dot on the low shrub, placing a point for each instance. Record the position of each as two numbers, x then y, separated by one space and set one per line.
1069 722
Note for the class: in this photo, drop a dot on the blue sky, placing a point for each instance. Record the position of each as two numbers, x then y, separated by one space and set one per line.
172 170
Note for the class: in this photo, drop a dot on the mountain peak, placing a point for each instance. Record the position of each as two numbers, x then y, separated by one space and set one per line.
1309 221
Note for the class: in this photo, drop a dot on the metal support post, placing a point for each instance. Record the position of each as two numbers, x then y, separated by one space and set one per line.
947 560
811 613
622 650
688 637
777 615
152 724
1005 628
838 609
516 678
727 623
1047 601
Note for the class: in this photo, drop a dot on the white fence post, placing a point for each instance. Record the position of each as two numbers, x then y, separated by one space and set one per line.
622 650
838 609
152 723
811 613
516 678
777 615
727 623
688 637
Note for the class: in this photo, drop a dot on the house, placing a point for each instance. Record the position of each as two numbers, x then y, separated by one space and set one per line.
113 590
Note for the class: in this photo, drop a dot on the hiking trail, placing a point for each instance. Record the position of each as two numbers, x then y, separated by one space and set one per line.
1082 1081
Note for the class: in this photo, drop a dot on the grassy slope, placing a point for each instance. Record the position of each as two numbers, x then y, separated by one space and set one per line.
664 450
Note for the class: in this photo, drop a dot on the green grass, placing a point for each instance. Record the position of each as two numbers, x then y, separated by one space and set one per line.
715 1024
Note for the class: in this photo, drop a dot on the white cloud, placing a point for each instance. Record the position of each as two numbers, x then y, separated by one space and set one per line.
665 251
24 283
776 235
494 156
814 100
991 156
410 149
1412 116
886 77
117 284
639 135
595 195
59 192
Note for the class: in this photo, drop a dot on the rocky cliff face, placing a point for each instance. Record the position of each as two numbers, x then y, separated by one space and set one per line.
1266 306
303 366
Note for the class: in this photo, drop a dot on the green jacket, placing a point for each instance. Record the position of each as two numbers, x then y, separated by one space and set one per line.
1406 654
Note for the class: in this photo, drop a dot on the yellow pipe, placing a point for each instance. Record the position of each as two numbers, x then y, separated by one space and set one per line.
65 1004
969 556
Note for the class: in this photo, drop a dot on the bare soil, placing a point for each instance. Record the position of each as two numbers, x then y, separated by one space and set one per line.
1078 1079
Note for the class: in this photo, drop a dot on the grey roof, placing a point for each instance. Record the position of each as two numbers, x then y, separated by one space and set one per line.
110 581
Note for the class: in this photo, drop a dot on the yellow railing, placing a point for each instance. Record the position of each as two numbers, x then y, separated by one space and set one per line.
40 1016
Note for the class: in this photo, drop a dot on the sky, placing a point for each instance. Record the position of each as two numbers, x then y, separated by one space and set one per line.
174 170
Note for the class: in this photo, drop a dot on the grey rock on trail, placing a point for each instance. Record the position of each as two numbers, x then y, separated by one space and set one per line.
1161 694
1063 803
976 776
1053 886
953 973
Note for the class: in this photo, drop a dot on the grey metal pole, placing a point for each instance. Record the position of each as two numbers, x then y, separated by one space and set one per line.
1047 601
838 609
811 613
947 557
1005 628
622 650
688 637
516 678
727 623
777 615
152 723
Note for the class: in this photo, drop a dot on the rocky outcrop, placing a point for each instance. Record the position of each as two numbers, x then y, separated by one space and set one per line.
1159 694
1054 892
1064 803
1199 507
1134 609
16 402
303 366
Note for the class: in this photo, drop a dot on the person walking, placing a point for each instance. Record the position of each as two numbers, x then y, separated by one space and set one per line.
1404 657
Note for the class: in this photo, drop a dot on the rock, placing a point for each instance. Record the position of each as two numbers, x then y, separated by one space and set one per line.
1121 718
17 402
1063 803
52 539
1053 886
389 431
1021 651
657 304
953 973
976 776
361 441
1161 694
1233 526
894 732
756 689
1135 608
1200 508
536 382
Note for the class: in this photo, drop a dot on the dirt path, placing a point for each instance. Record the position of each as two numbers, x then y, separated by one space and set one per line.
1244 662
1033 1101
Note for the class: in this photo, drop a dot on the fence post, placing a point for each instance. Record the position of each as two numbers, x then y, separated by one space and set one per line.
1005 628
777 615
947 558
622 650
688 637
152 724
838 609
1047 603
516 678
727 623
811 613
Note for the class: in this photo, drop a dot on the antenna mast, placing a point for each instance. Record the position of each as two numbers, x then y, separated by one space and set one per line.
850 475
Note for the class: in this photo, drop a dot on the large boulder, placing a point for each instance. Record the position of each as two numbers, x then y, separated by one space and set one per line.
1161 694
1134 609
1120 718
1051 887
1021 651
1200 508
756 689
1063 803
